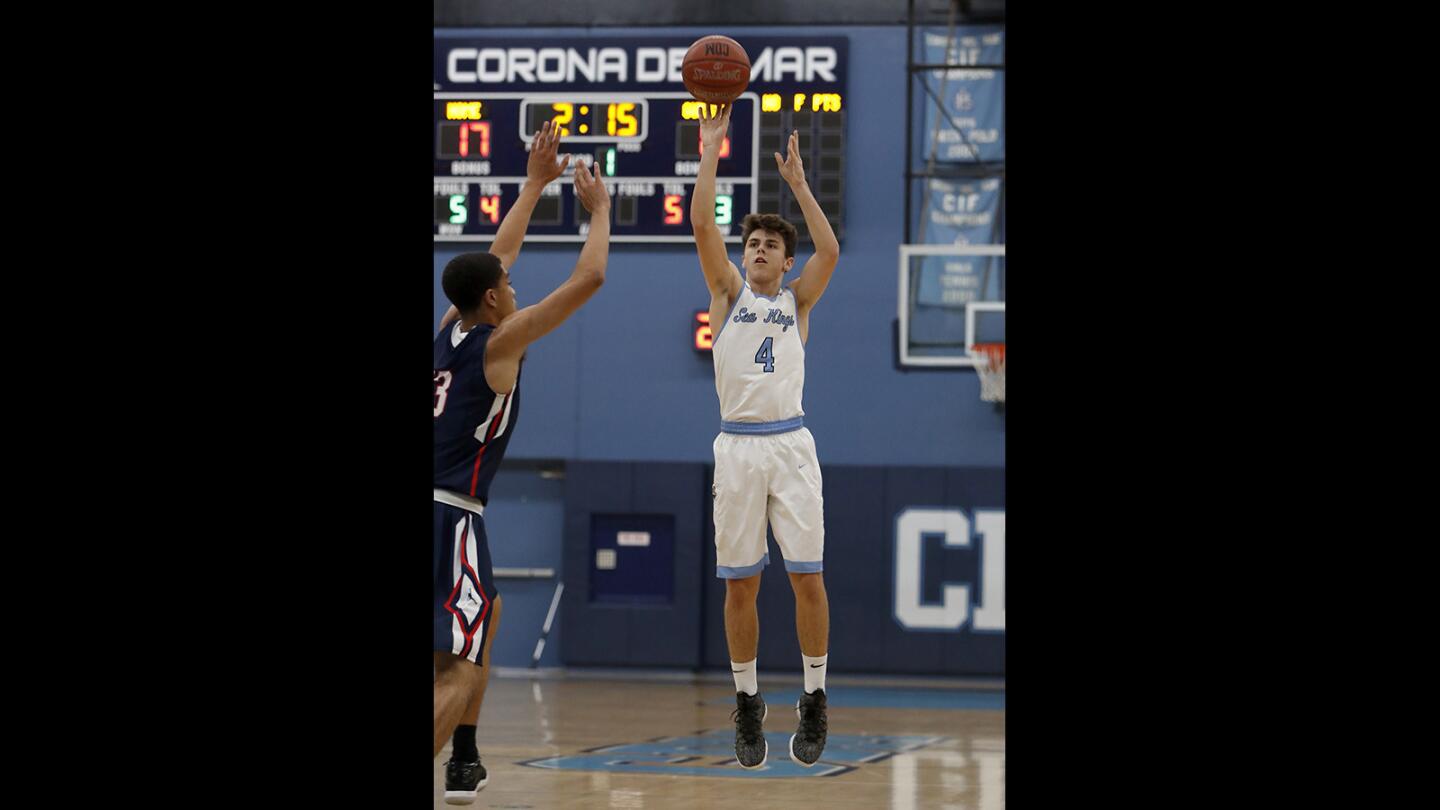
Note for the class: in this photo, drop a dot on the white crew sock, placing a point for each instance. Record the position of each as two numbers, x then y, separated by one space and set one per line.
814 671
745 680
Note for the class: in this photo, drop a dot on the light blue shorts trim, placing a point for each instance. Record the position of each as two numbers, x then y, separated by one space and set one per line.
726 572
805 567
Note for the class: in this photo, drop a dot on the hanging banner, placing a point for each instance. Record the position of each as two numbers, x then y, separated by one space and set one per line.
968 123
963 212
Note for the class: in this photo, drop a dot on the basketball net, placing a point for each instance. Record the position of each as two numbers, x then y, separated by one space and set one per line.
990 366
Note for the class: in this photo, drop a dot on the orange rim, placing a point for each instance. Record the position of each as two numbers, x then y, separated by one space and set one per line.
994 351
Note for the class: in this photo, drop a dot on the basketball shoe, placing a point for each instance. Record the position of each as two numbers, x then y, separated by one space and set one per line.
749 714
463 780
808 741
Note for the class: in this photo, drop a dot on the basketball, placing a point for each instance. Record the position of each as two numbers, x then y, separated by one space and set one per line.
716 69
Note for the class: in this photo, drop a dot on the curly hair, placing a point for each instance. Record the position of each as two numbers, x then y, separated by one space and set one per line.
773 223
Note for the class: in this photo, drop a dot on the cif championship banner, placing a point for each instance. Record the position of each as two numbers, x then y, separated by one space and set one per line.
973 98
963 212
968 212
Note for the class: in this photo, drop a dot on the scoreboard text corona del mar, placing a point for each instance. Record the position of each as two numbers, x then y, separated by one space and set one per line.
620 102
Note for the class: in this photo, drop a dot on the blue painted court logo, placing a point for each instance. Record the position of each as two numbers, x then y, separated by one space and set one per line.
712 753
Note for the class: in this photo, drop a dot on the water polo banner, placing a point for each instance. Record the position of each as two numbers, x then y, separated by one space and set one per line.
974 98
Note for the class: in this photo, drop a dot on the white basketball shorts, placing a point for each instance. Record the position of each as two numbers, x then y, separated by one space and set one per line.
767 478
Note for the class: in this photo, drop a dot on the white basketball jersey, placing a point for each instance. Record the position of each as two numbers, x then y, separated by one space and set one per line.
759 359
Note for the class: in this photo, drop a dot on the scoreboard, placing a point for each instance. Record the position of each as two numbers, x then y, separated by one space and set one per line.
620 103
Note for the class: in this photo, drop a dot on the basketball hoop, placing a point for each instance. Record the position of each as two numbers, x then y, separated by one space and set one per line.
990 366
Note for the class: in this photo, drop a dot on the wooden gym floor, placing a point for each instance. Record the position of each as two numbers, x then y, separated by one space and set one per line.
650 741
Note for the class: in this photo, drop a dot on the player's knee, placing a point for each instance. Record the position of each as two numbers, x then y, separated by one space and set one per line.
453 668
742 590
808 586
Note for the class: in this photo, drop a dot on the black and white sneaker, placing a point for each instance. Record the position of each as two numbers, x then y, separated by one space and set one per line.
463 780
749 715
808 741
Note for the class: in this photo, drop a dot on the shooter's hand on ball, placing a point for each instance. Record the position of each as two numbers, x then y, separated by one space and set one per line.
713 129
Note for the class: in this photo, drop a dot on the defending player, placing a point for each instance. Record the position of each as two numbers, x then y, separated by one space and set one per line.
477 376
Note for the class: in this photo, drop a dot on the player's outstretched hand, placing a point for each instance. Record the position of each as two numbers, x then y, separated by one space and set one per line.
591 190
542 166
792 168
713 128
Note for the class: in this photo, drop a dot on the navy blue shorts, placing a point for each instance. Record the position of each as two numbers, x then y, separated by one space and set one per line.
464 582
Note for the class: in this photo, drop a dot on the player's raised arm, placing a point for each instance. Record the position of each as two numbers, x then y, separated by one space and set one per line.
540 170
721 275
816 276
523 327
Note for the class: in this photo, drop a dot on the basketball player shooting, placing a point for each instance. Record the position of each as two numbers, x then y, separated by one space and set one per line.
477 381
766 470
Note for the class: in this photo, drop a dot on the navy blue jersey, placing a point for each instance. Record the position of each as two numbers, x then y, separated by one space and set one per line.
472 423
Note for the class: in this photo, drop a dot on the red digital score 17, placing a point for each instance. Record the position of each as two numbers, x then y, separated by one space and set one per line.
481 127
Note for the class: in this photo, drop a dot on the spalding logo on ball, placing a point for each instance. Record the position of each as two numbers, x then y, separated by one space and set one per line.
716 69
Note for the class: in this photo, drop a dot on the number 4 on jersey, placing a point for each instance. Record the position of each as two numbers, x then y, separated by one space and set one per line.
766 355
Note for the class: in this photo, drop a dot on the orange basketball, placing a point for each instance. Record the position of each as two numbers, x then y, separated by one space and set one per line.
716 69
